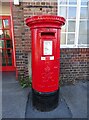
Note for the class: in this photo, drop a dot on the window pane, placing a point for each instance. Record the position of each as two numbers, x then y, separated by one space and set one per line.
6 23
9 61
84 12
3 53
88 26
71 26
88 39
63 12
8 52
8 43
71 38
0 24
83 33
83 27
72 2
83 39
3 61
1 34
84 2
63 38
64 27
2 44
72 13
63 1
7 33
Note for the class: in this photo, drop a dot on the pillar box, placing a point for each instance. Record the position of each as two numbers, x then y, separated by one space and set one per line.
45 32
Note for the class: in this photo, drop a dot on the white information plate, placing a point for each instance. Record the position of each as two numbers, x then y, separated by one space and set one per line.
43 58
47 48
52 58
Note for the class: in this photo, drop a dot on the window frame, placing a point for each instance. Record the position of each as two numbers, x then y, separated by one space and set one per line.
78 19
7 66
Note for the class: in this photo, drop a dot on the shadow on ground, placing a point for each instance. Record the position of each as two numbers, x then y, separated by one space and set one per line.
17 104
61 111
72 103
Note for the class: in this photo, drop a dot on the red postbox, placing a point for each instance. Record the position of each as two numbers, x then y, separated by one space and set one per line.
45 31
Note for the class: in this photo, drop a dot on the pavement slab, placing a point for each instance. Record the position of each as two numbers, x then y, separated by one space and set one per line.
14 98
76 98
0 95
17 102
72 103
61 111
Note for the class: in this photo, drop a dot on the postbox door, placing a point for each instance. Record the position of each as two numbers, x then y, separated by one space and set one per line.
48 62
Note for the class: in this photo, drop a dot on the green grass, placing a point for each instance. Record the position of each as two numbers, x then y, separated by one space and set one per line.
25 82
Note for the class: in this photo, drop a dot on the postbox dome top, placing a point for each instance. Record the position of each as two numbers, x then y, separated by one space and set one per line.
45 19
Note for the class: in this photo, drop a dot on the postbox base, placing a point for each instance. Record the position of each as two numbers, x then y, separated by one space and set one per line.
45 101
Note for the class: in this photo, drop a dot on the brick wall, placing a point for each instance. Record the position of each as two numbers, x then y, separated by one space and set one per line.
74 62
21 31
74 65
20 43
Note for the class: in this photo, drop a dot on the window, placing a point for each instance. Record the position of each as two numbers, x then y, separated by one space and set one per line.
63 11
75 32
63 37
71 38
6 47
84 2
72 2
72 13
63 2
83 27
84 13
71 26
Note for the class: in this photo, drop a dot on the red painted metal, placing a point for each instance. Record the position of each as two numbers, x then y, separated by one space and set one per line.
12 29
45 66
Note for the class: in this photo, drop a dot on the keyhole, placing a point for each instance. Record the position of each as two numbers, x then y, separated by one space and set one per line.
40 9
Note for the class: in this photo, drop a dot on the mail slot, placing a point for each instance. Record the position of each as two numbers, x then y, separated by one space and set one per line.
45 32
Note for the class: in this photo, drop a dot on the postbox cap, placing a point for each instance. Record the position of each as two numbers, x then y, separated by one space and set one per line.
45 20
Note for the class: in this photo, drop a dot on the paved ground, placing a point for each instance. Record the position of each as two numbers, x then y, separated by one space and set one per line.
73 101
62 111
14 98
76 98
73 104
